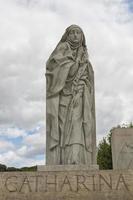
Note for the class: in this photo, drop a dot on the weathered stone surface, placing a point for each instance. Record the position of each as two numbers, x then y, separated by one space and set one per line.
122 148
66 167
70 104
67 185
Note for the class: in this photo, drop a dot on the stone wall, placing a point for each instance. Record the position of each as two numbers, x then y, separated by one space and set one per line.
122 148
67 185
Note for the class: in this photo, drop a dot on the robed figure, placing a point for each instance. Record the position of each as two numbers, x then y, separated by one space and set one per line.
70 105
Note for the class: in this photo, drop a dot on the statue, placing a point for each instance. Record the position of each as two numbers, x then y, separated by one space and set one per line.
70 105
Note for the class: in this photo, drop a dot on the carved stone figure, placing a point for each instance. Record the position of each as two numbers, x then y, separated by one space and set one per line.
70 105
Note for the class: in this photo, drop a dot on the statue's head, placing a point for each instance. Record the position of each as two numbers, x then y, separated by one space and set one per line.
74 36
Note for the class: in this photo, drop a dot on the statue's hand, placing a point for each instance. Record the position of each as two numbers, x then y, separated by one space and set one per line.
84 77
76 101
78 60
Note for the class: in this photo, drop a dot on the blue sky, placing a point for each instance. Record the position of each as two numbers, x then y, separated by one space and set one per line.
30 30
130 5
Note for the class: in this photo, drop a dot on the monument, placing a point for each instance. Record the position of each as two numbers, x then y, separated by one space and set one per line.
122 148
71 172
70 105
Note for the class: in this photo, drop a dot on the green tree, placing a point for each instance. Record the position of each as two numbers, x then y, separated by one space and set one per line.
12 169
104 156
3 168
32 168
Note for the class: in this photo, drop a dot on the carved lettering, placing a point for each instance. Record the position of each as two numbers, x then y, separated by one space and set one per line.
121 180
47 183
108 183
37 182
66 182
11 186
54 183
81 181
93 181
25 183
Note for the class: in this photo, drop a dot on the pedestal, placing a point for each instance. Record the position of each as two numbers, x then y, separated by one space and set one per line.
67 183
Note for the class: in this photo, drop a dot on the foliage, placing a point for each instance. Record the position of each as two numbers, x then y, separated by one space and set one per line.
33 168
12 169
3 168
104 156
125 125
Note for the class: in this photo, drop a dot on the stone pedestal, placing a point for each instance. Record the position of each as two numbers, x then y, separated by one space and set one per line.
66 184
122 148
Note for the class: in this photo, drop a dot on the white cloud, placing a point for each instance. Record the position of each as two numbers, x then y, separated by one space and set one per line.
33 144
28 151
10 158
30 30
12 132
4 145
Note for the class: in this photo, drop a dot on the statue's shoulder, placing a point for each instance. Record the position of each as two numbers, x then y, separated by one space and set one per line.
63 46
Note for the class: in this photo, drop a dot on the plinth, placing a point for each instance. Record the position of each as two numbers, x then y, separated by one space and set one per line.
67 183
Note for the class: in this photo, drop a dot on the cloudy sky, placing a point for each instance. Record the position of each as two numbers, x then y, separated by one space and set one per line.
29 31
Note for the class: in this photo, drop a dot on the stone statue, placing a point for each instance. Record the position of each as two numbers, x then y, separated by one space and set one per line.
70 105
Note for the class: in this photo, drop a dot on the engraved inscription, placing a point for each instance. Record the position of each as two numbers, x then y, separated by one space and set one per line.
58 183
105 182
11 184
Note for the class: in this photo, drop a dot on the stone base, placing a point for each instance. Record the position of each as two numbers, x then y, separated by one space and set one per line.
67 184
122 148
66 167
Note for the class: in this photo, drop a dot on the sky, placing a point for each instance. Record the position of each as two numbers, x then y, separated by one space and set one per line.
30 30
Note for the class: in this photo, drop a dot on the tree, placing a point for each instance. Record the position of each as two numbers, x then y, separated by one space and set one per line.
104 156
12 169
33 168
3 168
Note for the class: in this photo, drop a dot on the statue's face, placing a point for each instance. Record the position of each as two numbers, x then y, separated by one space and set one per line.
75 35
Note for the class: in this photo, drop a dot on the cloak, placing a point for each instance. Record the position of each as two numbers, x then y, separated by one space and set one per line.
57 70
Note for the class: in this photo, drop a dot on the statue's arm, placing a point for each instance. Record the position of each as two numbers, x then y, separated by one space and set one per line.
62 53
58 67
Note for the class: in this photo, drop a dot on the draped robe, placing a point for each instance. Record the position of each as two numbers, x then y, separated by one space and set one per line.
70 108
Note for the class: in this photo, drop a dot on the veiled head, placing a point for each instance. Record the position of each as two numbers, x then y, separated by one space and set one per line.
75 36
